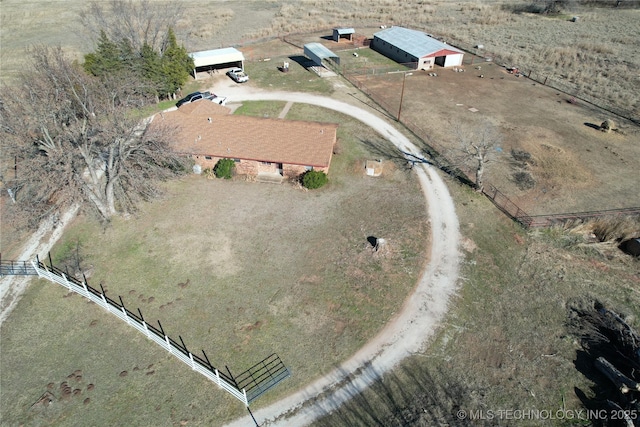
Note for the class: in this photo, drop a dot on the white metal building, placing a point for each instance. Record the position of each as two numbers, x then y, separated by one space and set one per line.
415 47
208 60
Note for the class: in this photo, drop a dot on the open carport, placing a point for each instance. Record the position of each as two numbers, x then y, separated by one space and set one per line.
216 59
317 53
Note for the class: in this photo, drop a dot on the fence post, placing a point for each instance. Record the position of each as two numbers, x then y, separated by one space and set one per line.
37 268
64 276
50 275
144 323
104 299
124 310
146 330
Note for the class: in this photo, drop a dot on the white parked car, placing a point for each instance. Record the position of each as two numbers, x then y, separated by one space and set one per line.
238 75
222 100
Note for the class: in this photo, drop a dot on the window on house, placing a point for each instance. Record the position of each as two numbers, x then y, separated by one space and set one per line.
266 163
207 157
236 160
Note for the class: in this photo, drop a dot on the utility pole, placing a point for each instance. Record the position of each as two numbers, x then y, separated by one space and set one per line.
404 79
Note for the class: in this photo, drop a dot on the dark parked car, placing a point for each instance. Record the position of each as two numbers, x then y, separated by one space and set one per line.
192 97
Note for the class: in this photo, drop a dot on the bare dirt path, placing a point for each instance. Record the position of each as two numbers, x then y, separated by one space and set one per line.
41 242
408 332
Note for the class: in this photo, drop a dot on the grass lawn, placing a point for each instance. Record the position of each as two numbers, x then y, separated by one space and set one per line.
236 268
505 344
261 109
299 78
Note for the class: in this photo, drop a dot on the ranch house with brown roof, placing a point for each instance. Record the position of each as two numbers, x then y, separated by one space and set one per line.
207 132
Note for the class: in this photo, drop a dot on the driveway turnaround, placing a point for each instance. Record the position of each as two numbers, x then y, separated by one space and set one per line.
423 309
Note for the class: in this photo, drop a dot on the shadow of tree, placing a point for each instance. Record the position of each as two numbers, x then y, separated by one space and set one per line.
412 395
381 148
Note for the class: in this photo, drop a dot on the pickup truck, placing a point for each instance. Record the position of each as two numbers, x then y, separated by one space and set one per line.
196 96
238 75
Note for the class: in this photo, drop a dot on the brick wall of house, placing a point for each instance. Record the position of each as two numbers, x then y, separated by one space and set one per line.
253 168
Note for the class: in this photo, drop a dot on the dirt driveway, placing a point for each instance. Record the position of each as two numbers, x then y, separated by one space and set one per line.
423 309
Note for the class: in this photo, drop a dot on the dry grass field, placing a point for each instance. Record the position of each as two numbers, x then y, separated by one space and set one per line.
595 56
504 344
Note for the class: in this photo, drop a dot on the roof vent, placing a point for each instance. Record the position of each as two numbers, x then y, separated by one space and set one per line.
209 119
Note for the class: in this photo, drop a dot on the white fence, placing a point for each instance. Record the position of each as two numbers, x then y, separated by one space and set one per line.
196 363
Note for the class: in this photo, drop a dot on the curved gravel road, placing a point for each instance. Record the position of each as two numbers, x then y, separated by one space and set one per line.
406 333
409 330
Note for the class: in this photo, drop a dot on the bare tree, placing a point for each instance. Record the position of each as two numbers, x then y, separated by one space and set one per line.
139 22
477 147
78 142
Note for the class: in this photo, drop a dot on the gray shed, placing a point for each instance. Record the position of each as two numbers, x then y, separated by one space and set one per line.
317 53
343 33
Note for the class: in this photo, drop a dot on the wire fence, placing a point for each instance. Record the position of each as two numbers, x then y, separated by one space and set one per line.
16 268
359 77
546 78
550 220
255 380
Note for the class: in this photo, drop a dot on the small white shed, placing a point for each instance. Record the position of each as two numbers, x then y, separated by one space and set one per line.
343 33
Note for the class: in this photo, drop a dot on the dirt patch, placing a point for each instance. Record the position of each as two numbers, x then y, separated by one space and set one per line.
577 167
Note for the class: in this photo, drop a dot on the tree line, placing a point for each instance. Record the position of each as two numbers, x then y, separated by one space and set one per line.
71 133
159 74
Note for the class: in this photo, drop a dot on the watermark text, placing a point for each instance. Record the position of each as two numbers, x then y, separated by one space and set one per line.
548 414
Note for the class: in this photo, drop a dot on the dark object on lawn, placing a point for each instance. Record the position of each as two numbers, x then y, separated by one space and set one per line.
524 180
521 156
631 247
607 126
376 243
